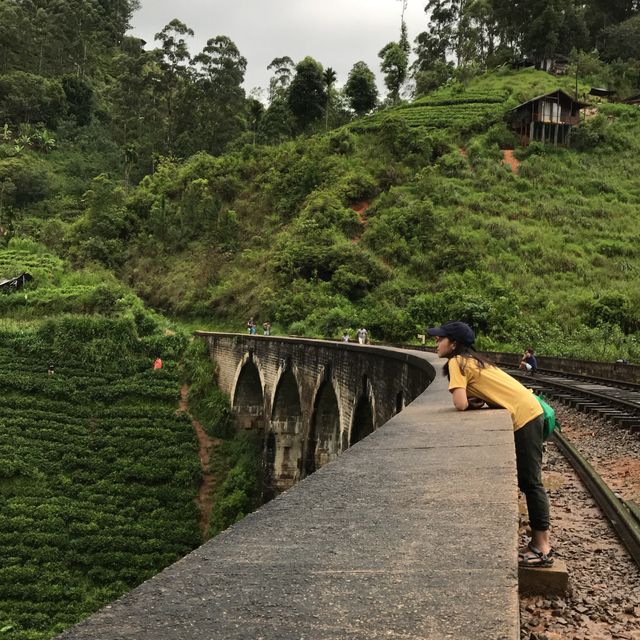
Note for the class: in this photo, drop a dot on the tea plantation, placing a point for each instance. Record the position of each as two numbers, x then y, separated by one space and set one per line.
97 472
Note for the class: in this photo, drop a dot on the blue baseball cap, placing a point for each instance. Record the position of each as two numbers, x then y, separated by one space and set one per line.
456 331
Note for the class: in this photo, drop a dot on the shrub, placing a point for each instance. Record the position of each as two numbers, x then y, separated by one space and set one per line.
206 401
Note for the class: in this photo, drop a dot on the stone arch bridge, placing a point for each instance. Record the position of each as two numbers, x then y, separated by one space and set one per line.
311 399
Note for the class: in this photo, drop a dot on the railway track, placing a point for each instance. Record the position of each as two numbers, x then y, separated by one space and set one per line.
620 404
623 516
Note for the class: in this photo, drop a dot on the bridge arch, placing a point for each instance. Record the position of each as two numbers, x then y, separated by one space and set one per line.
322 443
248 395
284 432
363 422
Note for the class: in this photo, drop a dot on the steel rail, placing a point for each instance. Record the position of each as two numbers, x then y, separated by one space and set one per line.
614 509
627 404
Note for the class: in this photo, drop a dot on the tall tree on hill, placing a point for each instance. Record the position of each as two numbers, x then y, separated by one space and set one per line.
394 64
361 89
542 35
462 28
176 76
282 68
510 22
174 49
431 69
622 40
116 18
329 77
307 96
138 107
220 109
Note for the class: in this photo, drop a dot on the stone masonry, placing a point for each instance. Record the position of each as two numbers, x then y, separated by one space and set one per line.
310 399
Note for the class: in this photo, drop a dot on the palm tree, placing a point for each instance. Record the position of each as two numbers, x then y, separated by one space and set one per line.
329 77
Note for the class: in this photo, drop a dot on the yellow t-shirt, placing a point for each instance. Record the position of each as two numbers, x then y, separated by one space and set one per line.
495 386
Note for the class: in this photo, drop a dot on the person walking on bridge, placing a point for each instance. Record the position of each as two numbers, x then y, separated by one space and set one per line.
474 382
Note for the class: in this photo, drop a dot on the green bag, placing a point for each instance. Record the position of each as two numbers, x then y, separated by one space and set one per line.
550 421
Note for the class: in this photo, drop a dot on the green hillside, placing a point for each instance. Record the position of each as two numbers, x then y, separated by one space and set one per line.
98 473
472 107
99 469
546 256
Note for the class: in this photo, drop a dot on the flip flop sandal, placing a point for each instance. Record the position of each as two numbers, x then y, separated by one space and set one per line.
535 550
537 559
552 553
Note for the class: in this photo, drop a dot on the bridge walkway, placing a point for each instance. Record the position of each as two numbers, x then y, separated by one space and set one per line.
411 533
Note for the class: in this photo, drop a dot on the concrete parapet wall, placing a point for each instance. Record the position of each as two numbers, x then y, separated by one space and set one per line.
410 533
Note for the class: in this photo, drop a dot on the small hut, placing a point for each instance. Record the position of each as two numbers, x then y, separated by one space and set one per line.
9 285
601 92
557 64
632 100
547 118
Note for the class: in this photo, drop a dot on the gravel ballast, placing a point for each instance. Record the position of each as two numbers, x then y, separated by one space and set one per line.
604 583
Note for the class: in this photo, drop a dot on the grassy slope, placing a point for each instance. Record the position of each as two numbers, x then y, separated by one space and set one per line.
98 470
525 257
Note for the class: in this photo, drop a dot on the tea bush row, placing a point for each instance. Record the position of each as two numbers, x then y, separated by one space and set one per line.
97 473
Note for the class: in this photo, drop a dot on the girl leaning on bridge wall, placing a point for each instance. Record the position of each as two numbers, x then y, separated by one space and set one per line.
474 382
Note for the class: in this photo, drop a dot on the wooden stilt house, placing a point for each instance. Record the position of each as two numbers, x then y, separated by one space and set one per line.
547 118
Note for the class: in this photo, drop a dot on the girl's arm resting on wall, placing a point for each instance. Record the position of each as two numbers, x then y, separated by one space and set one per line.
460 400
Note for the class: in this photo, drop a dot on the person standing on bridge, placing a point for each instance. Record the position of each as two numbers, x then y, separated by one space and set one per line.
474 381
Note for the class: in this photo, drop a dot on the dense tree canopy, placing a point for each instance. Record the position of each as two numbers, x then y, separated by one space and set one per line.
307 94
361 89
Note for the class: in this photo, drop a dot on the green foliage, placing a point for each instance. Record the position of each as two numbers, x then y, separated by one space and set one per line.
97 473
306 95
206 402
614 309
394 61
29 178
25 97
361 89
240 493
596 133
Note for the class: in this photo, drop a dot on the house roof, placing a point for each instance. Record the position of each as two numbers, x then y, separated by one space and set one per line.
635 98
9 281
600 91
548 95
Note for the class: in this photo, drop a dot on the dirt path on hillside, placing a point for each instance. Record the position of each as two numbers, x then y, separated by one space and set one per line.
510 159
204 499
361 209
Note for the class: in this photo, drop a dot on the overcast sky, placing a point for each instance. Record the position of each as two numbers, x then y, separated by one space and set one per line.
337 33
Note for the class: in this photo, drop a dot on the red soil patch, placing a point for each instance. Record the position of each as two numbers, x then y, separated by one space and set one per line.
361 209
510 159
204 499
